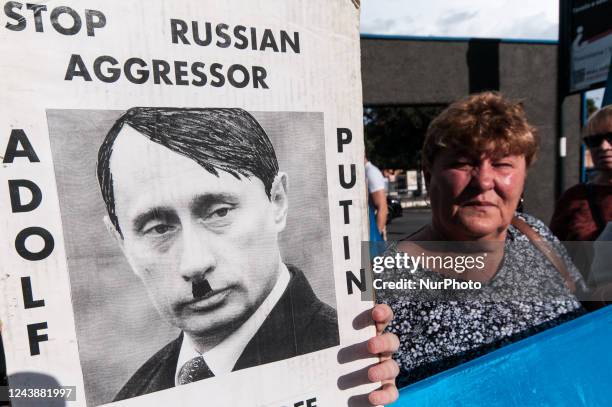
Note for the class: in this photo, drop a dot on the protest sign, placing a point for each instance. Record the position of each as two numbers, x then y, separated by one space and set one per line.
183 201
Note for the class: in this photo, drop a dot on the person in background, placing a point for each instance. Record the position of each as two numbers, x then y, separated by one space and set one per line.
583 211
386 175
377 202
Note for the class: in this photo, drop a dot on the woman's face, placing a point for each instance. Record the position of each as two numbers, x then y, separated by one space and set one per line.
602 153
474 198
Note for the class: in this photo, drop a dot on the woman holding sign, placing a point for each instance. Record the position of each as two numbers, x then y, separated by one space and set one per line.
476 156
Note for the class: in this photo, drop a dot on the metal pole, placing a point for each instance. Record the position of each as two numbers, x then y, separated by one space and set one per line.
562 70
561 146
583 118
607 99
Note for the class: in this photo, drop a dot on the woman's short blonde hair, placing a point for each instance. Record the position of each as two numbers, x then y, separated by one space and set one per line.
600 121
483 123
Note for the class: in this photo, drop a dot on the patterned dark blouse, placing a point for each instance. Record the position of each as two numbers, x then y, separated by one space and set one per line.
436 335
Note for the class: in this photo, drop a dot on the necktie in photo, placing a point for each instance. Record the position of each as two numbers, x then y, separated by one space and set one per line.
194 370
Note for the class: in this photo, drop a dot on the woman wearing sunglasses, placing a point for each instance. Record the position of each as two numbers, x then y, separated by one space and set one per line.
584 210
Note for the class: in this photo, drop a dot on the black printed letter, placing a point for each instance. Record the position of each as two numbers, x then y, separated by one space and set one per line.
91 24
37 9
259 76
295 44
178 28
347 253
351 278
141 74
72 71
28 297
16 204
35 338
58 11
21 21
31 231
161 69
344 137
343 183
219 79
17 137
221 31
345 205
180 73
112 73
231 76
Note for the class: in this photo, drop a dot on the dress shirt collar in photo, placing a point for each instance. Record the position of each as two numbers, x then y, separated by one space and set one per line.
222 358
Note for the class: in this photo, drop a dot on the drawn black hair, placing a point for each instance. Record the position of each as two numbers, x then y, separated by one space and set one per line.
229 140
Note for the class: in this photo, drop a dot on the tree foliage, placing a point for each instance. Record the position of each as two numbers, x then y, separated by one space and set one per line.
591 107
394 135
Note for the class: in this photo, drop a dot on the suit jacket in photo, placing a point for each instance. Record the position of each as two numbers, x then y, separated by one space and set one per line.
298 324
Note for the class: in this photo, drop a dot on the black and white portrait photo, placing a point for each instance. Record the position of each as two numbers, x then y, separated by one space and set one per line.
198 242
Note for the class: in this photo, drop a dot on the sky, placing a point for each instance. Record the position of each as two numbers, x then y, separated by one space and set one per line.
514 19
535 19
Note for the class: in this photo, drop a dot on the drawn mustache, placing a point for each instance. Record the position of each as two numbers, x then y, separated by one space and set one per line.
200 288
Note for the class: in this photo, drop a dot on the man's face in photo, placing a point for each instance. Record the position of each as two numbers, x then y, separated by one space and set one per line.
181 224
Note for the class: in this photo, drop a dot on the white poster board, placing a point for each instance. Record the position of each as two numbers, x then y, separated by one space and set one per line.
182 181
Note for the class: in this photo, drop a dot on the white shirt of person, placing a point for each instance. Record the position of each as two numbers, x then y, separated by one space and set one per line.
374 178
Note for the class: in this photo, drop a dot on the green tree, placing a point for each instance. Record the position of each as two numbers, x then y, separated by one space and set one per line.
591 107
394 135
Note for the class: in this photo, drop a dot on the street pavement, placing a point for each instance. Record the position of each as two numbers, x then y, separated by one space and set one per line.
410 222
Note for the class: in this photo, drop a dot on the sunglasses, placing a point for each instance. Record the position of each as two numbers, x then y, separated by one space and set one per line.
595 140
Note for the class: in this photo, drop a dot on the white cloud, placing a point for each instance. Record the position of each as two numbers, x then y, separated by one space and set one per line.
462 18
457 17
379 26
